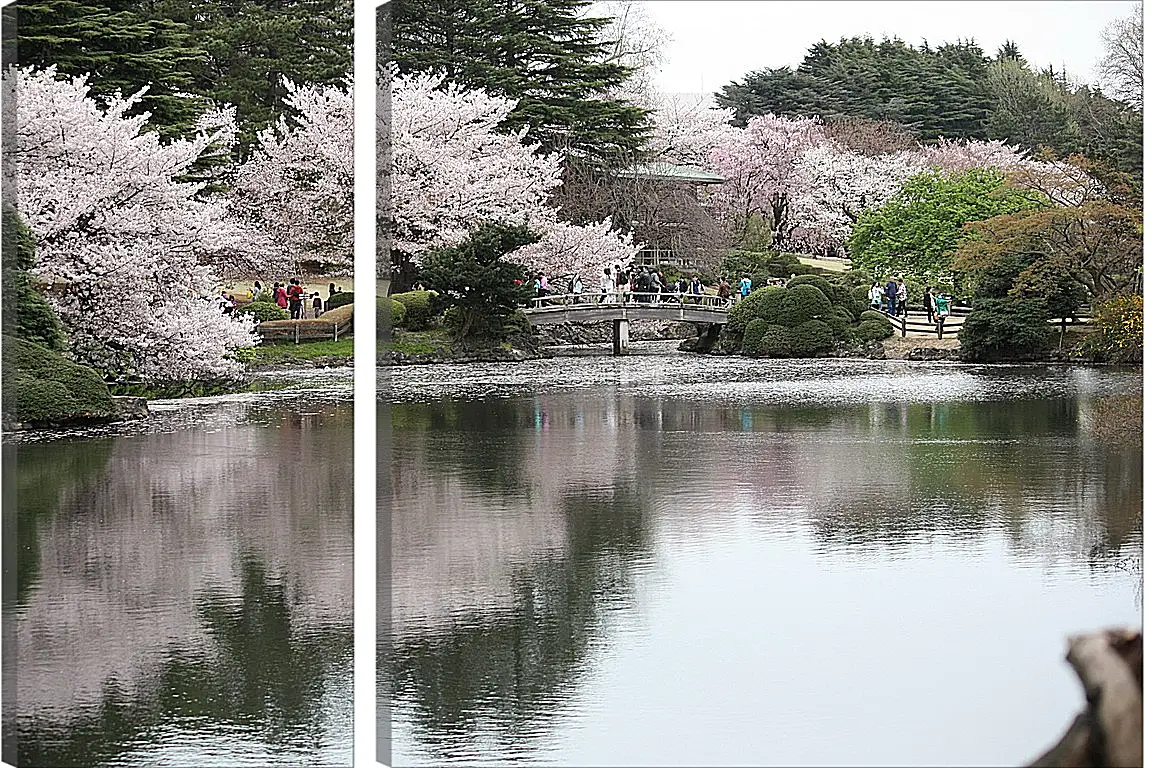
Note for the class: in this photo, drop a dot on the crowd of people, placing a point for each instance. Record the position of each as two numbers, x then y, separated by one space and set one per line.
644 284
292 296
892 299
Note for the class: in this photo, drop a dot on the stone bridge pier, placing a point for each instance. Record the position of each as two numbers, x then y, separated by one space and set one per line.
620 337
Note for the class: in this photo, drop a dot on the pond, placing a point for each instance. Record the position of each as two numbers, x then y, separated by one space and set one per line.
667 559
183 594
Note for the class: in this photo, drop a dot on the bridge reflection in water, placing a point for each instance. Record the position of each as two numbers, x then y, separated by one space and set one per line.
708 310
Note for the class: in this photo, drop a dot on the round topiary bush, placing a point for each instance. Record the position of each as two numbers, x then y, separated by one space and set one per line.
774 342
874 330
761 303
859 296
840 326
799 305
417 307
389 314
265 310
815 281
752 336
811 338
871 315
339 300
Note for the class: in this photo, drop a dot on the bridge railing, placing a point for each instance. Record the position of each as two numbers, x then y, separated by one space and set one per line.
630 298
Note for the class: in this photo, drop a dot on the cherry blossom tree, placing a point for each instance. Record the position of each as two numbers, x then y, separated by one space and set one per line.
763 172
573 248
124 245
1061 183
297 186
839 185
453 168
686 129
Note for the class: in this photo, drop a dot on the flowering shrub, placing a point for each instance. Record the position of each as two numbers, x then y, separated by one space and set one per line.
1119 333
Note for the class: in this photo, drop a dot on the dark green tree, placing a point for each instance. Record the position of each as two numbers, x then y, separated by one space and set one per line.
250 47
27 315
546 54
122 48
476 284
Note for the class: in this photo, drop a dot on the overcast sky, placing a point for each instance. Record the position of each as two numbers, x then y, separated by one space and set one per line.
717 41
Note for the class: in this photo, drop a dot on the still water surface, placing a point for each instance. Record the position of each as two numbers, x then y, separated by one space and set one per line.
184 585
674 560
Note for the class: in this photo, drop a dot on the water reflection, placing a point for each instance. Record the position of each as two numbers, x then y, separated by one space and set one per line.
184 589
597 575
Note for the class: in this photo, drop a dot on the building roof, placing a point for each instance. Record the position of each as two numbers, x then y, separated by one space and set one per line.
672 172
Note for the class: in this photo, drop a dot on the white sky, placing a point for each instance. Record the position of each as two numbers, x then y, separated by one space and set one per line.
717 41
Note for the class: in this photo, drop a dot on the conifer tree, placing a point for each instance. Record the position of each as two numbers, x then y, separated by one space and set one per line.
545 54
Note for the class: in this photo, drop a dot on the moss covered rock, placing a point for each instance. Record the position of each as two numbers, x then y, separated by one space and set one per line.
49 389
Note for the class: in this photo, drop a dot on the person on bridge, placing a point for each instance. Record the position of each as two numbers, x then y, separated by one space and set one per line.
890 294
901 298
724 291
875 296
930 303
577 288
696 288
745 285
607 286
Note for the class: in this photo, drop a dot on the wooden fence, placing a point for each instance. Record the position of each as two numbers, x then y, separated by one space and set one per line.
331 325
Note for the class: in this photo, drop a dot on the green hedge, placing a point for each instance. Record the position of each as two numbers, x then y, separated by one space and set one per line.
775 342
50 389
339 300
264 311
999 329
418 309
871 315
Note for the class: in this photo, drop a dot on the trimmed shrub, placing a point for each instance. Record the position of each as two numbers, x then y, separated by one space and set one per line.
760 303
752 336
50 388
799 305
388 308
815 281
811 338
339 300
774 342
999 329
874 330
264 311
264 296
839 325
417 309
844 314
873 316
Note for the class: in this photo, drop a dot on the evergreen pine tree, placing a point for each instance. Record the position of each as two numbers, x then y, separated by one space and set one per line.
122 48
545 54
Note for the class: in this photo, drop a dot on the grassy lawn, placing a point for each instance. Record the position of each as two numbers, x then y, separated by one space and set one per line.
416 342
308 350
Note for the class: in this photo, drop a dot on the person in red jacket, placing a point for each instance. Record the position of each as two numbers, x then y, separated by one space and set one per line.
280 295
296 299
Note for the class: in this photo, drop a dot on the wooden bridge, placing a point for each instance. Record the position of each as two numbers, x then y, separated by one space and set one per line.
594 308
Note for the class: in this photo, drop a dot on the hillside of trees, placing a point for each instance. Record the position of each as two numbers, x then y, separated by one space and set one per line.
954 91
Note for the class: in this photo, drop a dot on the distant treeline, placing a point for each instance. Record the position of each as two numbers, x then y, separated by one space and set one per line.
953 91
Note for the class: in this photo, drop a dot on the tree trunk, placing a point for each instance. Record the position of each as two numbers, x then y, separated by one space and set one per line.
1109 732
